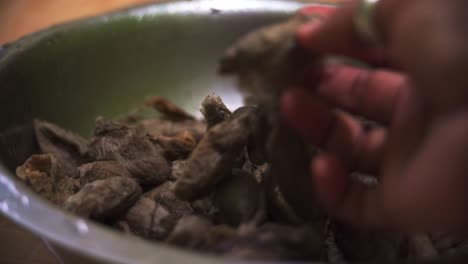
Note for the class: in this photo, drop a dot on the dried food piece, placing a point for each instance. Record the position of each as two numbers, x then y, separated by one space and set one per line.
217 235
273 242
48 177
261 171
213 157
178 168
139 217
132 117
168 109
156 219
334 255
104 199
364 245
205 206
266 62
161 127
178 147
156 192
238 198
280 209
214 110
190 232
68 147
101 170
422 247
132 148
446 243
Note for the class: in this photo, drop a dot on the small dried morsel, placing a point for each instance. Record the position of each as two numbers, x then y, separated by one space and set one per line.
161 127
213 157
139 218
266 62
178 168
101 170
217 235
446 243
177 147
168 109
132 117
256 146
156 219
205 206
214 110
361 245
133 149
238 198
190 232
70 148
279 208
273 242
104 199
158 191
421 246
48 177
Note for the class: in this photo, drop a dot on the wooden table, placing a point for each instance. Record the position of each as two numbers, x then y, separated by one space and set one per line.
20 17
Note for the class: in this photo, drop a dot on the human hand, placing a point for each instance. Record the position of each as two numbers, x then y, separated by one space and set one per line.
418 91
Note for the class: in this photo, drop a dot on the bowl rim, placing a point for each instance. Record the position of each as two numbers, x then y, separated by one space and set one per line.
20 204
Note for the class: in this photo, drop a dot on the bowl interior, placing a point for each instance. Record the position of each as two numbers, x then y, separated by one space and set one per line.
106 66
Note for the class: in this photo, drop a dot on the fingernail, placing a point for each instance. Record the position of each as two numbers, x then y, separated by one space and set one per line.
306 32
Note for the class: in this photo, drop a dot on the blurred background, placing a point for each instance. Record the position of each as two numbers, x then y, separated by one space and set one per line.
20 17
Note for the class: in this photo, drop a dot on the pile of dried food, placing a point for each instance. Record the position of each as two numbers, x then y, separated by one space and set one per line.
234 183
174 178
198 184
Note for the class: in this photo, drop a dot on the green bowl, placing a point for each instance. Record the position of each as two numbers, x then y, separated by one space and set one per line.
106 65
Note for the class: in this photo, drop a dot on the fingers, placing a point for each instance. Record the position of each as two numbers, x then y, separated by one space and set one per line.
372 94
337 36
346 199
323 11
334 131
431 193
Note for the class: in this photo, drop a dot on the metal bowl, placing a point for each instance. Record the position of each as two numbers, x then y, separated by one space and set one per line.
106 65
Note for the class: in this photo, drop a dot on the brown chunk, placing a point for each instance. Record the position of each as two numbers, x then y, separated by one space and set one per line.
205 206
213 157
168 109
133 149
190 232
266 62
214 110
275 243
217 235
238 198
157 192
48 177
358 244
160 127
177 147
101 170
139 217
104 199
68 147
155 218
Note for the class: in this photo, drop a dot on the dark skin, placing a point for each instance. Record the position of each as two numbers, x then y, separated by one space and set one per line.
418 89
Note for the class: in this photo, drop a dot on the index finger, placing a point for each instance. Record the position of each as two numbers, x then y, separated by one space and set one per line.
337 35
